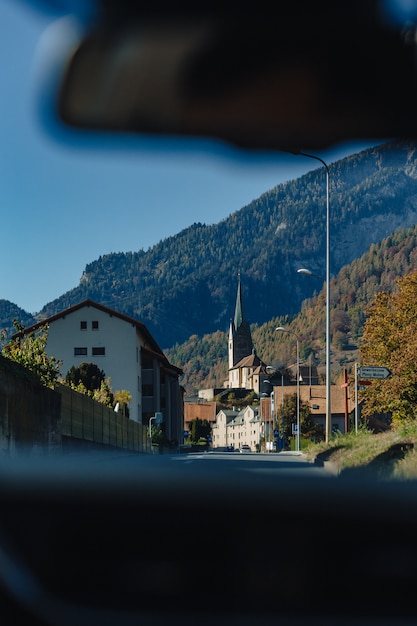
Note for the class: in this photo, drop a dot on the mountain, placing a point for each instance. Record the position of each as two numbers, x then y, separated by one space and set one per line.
204 359
185 285
10 312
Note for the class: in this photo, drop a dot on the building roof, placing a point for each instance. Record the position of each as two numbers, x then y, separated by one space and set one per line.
307 373
229 412
150 344
239 419
251 361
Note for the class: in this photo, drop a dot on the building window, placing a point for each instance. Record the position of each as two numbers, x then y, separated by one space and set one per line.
94 325
80 351
83 325
99 351
147 390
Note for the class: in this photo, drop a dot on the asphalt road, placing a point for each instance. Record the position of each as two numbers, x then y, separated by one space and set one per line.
274 464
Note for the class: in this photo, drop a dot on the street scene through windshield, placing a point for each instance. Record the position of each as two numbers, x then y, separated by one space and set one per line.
208 363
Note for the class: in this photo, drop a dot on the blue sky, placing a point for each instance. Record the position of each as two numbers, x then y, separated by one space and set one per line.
62 206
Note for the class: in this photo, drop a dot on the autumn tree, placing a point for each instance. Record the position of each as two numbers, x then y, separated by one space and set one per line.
123 397
308 427
390 340
29 349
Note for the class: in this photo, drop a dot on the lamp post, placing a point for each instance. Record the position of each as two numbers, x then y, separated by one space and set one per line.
269 367
271 411
328 405
263 418
297 438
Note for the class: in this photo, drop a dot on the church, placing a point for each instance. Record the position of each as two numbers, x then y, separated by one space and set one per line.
246 369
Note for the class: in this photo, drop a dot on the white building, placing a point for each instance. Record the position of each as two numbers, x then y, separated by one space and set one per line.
124 349
237 428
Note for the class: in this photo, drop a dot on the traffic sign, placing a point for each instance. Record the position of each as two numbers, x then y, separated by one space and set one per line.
374 372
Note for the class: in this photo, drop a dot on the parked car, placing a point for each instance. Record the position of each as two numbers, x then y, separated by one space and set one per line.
245 449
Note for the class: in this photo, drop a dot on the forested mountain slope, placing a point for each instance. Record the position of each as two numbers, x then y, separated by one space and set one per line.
186 284
204 359
10 312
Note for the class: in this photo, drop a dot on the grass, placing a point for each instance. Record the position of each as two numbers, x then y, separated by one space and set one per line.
391 455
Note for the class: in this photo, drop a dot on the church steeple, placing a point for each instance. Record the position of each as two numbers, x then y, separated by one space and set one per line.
239 314
240 339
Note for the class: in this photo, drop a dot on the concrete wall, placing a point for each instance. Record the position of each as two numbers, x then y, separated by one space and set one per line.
37 420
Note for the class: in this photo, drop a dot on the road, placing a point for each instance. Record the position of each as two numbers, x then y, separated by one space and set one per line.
272 465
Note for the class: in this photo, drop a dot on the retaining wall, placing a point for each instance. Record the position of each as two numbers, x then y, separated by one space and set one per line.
37 420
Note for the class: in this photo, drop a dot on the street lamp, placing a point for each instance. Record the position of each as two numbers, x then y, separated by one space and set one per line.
297 438
158 417
328 406
271 407
269 367
307 272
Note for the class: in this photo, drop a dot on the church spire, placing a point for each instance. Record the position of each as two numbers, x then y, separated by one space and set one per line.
240 339
239 313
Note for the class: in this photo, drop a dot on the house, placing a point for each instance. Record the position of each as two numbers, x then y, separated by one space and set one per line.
342 404
127 353
238 428
199 410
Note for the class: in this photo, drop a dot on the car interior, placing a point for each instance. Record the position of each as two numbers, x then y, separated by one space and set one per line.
129 540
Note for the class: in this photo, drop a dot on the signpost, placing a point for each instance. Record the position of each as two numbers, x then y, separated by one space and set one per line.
379 373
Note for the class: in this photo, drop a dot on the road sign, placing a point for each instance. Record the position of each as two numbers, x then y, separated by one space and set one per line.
362 383
276 433
374 372
185 434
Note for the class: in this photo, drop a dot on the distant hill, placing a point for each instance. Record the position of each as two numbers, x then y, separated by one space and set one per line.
186 284
10 312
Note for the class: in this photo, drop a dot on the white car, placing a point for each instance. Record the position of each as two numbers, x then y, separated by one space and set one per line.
245 449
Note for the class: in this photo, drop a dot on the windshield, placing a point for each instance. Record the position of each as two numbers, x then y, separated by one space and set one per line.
207 311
